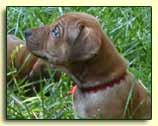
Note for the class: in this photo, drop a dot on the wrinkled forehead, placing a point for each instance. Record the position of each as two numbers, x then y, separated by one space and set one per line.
73 18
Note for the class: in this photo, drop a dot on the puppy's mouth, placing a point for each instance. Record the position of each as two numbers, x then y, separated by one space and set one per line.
45 55
40 54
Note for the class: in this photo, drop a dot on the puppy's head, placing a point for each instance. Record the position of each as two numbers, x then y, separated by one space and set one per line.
73 37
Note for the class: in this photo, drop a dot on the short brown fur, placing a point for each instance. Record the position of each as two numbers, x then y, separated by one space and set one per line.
76 43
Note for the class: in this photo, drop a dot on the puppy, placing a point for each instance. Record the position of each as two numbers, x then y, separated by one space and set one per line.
105 89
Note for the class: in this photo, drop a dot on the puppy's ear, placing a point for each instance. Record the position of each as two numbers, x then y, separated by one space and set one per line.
73 32
86 42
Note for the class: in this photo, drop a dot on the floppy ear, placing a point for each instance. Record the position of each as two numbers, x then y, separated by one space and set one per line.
73 32
86 43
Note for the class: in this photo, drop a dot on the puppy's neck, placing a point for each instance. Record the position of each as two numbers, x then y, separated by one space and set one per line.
104 67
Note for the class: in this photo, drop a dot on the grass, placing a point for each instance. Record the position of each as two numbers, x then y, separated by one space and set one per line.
128 27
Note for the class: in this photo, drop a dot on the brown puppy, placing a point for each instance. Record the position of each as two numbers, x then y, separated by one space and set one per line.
105 88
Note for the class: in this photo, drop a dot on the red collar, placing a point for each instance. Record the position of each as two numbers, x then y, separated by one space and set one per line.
98 87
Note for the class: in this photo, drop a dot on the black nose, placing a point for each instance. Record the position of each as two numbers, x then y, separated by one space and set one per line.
27 33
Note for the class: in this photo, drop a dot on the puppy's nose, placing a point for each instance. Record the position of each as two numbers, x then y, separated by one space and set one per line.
27 33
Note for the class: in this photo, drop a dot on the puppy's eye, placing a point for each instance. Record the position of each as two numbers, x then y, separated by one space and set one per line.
56 32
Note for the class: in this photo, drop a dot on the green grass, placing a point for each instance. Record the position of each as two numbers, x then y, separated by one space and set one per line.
128 27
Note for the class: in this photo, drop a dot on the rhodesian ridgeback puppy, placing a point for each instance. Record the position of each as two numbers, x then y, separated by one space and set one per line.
105 89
